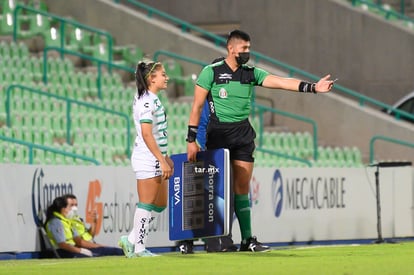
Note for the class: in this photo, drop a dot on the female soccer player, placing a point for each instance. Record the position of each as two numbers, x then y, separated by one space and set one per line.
149 158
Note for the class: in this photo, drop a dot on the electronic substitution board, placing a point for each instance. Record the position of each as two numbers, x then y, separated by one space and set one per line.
199 195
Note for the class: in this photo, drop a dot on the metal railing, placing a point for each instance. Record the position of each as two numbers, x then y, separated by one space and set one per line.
62 28
388 13
69 103
402 5
87 57
261 109
32 146
159 53
275 153
388 139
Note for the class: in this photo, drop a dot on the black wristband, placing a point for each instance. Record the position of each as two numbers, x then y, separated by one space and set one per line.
192 133
307 87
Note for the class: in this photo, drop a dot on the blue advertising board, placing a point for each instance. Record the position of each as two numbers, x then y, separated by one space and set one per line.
199 195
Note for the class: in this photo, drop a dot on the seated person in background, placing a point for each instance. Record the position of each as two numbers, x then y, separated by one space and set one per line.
77 222
66 239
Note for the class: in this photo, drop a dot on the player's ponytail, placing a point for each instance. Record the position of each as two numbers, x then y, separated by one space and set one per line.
142 86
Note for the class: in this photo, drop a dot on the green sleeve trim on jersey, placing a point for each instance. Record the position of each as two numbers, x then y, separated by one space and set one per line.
159 107
145 121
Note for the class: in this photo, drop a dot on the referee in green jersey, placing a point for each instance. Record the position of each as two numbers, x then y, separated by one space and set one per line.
228 87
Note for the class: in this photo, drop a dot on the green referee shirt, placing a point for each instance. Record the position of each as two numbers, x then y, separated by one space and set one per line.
230 92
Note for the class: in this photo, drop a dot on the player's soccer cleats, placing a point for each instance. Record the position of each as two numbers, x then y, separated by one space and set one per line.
144 253
253 245
126 246
186 247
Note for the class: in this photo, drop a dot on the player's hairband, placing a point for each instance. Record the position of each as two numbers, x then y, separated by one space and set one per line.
152 69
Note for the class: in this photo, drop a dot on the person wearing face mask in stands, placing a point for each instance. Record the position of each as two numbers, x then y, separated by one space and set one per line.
228 87
65 239
78 223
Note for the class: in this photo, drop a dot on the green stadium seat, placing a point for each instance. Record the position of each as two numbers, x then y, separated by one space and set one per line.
36 137
47 137
91 82
82 83
23 50
339 157
100 51
68 66
189 84
78 40
14 51
130 54
37 24
4 50
51 37
175 72
59 159
38 5
35 65
6 23
357 156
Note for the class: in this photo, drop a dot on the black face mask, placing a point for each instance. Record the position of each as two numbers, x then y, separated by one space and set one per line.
243 58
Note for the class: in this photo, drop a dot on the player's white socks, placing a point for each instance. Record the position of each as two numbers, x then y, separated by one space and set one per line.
154 220
138 235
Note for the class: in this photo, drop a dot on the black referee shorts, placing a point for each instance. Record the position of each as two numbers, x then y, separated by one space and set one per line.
238 137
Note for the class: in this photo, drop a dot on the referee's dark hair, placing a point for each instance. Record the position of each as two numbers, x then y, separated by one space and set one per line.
238 34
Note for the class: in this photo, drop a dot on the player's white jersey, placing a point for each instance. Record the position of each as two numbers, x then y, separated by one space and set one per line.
148 109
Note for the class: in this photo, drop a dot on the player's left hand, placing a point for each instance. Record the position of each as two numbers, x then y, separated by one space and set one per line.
324 85
166 168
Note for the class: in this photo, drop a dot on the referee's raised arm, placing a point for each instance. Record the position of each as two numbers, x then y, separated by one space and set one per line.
324 84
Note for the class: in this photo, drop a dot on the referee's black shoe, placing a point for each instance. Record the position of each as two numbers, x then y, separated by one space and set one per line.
253 245
186 247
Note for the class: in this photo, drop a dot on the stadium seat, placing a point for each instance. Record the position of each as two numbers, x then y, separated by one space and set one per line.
174 70
51 37
38 5
6 24
37 24
77 39
100 51
189 84
132 54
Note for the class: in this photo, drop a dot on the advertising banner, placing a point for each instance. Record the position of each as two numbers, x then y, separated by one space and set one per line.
199 195
287 205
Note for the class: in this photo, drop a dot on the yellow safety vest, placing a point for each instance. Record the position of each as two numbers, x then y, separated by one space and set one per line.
79 226
67 230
